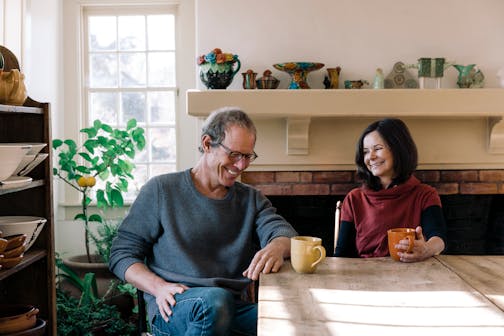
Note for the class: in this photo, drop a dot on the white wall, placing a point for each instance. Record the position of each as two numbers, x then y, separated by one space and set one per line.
358 35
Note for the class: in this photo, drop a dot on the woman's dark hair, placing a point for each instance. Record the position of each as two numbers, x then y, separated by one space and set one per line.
398 139
220 120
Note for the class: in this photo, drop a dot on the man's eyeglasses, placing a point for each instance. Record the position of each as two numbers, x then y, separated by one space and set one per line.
237 156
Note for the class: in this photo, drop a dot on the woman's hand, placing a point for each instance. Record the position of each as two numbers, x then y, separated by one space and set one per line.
421 249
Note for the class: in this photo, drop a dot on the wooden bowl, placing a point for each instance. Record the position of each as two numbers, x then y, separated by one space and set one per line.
10 262
3 244
17 317
15 252
15 241
37 330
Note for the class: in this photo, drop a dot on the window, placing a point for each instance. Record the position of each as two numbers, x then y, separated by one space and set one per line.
129 72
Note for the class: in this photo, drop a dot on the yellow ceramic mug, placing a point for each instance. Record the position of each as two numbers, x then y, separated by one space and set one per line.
306 253
395 235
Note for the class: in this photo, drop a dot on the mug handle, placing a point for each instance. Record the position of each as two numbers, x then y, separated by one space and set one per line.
411 244
237 67
322 251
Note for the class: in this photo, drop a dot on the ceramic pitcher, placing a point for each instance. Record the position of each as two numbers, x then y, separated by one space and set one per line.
469 76
12 87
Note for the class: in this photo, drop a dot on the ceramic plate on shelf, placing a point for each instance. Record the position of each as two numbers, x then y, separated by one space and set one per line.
15 182
38 159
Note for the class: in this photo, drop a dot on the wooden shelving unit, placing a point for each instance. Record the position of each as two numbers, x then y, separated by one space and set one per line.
33 280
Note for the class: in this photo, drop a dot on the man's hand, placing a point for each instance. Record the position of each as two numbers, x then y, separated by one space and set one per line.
269 259
142 278
165 297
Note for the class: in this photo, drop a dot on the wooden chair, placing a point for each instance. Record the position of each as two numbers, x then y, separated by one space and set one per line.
142 315
337 219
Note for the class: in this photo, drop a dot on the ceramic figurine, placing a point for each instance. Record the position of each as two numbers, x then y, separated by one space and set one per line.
249 79
500 75
400 78
267 81
379 79
431 68
331 80
469 76
355 84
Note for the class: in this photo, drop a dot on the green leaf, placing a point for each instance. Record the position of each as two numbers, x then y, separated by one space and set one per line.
131 124
91 132
97 124
117 199
80 216
106 128
95 218
56 143
82 169
86 157
71 144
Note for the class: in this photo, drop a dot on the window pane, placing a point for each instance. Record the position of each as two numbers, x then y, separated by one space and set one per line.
133 106
162 142
140 176
158 169
131 33
162 69
133 70
102 33
103 106
103 70
160 29
161 107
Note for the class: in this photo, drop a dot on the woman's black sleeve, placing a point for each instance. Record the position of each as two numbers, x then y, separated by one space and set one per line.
346 246
433 223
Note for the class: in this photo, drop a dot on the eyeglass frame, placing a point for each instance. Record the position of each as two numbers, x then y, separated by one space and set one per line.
238 156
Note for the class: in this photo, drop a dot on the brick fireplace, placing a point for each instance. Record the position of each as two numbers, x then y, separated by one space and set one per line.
472 203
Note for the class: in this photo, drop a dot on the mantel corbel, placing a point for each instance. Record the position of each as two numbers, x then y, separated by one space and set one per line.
297 132
495 135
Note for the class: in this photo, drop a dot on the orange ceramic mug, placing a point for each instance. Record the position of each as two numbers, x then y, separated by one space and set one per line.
395 235
306 253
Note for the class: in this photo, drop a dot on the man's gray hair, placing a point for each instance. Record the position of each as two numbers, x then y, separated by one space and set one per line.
220 120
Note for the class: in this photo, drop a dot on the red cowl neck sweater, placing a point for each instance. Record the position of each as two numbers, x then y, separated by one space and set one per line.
374 212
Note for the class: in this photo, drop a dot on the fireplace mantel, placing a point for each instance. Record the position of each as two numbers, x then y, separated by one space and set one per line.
298 107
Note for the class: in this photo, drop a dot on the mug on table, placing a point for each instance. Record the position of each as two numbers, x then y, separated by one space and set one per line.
306 253
396 235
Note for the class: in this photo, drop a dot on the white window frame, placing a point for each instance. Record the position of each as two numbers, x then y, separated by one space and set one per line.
74 109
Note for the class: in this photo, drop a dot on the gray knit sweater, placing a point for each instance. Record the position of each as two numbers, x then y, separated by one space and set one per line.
185 237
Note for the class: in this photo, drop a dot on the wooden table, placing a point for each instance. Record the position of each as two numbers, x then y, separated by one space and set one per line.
445 295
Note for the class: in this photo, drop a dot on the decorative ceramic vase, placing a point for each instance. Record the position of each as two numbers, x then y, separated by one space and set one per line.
249 79
267 81
331 80
298 72
431 68
218 76
469 76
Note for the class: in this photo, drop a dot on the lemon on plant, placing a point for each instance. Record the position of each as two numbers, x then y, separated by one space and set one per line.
82 181
91 181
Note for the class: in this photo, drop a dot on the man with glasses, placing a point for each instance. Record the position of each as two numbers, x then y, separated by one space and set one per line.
194 240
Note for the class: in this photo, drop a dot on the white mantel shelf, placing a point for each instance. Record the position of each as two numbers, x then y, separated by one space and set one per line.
299 106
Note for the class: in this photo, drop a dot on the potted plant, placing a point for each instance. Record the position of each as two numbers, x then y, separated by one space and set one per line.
106 155
87 314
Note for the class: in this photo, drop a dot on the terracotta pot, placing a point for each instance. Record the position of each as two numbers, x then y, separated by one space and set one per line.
17 317
81 266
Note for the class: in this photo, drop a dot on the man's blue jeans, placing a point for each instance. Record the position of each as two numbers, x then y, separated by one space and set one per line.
208 311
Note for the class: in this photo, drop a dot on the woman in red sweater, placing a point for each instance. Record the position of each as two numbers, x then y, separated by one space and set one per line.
390 197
